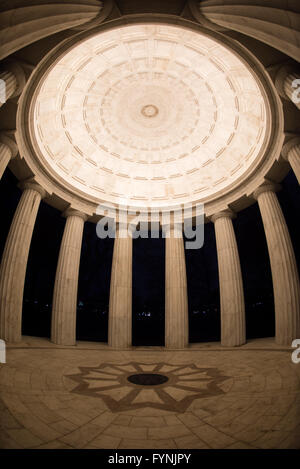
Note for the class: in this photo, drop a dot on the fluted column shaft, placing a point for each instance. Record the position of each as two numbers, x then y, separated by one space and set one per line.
293 157
14 262
283 265
120 300
8 151
232 303
5 155
272 22
64 308
10 84
23 23
176 298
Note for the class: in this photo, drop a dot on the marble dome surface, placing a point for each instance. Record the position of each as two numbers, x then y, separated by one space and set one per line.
150 115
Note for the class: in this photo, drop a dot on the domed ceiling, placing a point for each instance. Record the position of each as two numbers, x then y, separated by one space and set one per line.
150 115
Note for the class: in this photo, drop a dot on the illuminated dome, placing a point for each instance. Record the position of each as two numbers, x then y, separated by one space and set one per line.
149 115
149 285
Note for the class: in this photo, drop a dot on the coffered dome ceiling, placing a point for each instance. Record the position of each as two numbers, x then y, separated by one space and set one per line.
150 115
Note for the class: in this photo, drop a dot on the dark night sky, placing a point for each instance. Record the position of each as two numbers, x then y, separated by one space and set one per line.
148 274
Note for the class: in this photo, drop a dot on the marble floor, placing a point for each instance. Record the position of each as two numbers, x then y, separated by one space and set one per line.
211 397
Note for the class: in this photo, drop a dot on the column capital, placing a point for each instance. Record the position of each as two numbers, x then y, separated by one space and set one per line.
288 146
6 139
223 214
105 8
17 70
196 11
71 212
31 184
267 186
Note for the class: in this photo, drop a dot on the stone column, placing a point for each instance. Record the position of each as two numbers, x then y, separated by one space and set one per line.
120 300
284 81
283 265
14 261
23 23
233 330
272 22
291 152
64 307
176 300
14 81
8 151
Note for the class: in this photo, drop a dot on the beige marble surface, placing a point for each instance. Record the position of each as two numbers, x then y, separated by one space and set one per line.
248 397
164 115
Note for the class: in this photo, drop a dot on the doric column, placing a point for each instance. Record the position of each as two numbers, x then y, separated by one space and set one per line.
176 298
291 152
14 261
273 22
8 151
120 299
232 303
23 23
283 265
13 79
64 307
287 83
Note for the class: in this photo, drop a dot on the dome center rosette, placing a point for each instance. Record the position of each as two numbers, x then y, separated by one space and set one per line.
150 110
149 115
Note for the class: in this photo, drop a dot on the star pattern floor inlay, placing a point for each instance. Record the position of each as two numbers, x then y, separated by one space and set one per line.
185 384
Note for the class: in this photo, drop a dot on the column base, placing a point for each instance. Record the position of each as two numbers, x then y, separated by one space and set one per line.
233 345
286 341
62 344
120 349
173 347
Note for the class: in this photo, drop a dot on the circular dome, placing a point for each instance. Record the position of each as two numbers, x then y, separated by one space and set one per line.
150 115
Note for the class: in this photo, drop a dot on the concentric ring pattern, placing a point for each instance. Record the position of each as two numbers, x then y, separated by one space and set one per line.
150 115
